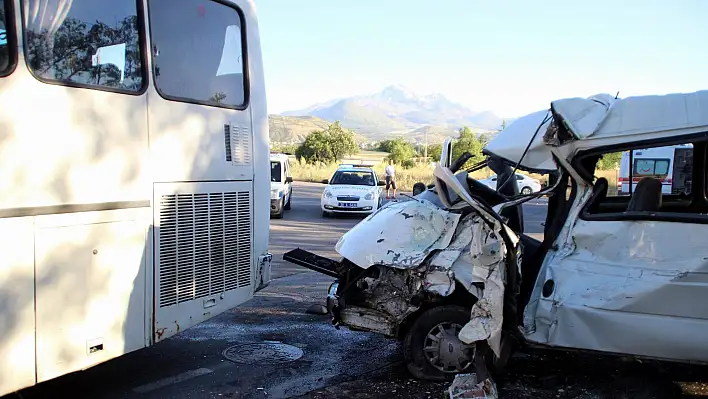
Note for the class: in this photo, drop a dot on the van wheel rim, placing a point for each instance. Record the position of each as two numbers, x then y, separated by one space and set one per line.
444 350
526 191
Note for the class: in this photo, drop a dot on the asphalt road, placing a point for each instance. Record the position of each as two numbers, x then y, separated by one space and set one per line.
328 363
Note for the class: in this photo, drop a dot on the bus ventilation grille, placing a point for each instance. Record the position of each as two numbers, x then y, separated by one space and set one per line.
238 141
204 245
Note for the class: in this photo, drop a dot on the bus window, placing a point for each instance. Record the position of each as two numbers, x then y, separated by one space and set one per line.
90 43
5 60
197 52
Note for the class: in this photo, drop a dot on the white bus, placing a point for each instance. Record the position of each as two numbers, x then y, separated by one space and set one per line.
670 164
134 174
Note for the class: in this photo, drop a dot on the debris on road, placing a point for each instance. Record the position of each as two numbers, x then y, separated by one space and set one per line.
466 386
317 309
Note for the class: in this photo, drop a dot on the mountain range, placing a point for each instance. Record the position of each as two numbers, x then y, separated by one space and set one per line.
394 111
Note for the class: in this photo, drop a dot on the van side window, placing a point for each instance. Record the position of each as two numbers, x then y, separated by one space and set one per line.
198 52
85 43
7 53
656 180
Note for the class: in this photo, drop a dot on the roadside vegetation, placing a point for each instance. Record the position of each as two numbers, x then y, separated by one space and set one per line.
323 150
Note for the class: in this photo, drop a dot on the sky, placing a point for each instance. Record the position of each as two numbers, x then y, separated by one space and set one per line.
510 57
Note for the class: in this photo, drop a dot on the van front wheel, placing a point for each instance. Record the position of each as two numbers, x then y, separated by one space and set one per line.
432 349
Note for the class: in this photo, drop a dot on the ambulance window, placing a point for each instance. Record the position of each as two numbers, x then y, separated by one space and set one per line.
662 184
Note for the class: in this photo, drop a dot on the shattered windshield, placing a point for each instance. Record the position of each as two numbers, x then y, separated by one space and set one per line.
353 178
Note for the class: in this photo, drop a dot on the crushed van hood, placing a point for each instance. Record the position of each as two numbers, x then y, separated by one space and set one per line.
399 235
466 249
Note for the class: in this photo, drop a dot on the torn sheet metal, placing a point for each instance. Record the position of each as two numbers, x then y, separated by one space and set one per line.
625 287
401 235
446 177
461 241
441 282
488 259
456 259
511 143
466 386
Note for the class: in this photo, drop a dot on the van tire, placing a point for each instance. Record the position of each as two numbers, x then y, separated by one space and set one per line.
279 215
526 191
415 339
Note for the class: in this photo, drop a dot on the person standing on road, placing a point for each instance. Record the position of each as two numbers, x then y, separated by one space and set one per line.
390 180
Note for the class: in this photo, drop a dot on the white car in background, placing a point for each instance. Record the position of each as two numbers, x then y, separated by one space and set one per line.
526 184
352 189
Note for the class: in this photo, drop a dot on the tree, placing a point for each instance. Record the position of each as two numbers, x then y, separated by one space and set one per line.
434 152
469 142
400 150
609 161
342 142
385 145
328 145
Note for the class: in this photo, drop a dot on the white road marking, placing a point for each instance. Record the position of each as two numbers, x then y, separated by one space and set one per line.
187 375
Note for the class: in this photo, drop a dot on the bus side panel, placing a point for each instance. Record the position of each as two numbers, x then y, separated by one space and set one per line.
90 288
17 352
80 147
261 140
203 252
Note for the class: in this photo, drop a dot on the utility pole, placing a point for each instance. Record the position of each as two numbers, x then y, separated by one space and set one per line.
426 144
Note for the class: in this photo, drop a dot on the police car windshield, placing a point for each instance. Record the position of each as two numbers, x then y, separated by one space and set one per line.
353 178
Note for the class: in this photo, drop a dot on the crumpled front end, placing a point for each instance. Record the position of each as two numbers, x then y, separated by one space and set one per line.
396 274
415 255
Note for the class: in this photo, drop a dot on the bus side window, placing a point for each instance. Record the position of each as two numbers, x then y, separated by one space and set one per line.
7 50
198 52
92 43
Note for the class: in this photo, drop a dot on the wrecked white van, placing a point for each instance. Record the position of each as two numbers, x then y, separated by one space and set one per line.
452 273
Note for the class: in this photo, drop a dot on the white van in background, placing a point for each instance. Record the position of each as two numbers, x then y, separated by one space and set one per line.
670 164
281 185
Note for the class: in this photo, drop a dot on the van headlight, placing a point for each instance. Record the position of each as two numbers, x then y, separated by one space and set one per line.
275 193
369 196
327 194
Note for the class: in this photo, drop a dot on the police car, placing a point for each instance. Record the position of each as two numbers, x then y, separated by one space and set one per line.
352 189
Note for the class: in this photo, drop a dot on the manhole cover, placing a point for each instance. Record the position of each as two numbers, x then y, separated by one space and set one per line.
264 353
